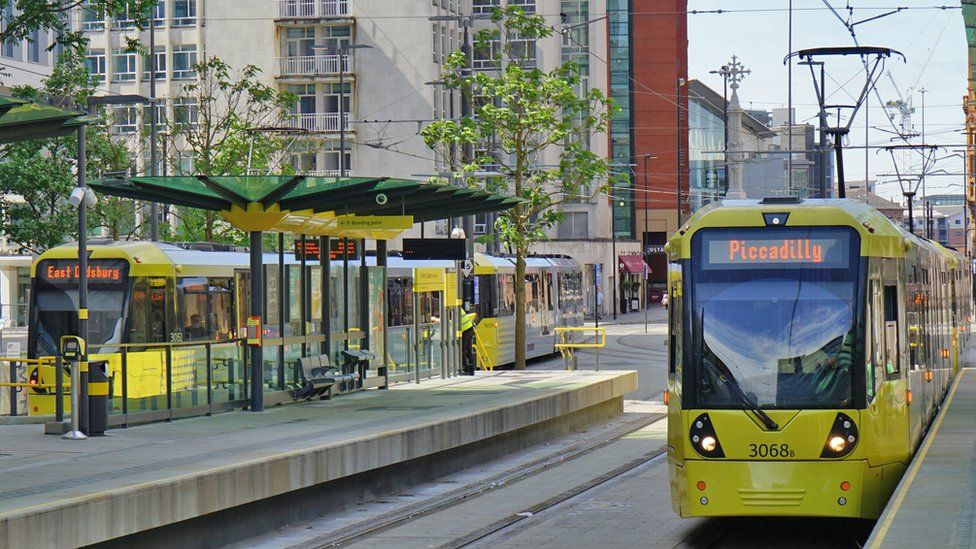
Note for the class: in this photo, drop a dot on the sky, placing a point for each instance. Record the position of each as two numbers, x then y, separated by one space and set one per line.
932 40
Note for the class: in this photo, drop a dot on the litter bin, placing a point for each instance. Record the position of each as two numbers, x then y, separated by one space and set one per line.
356 361
98 386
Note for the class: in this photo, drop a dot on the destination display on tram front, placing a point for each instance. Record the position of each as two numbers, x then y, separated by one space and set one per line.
746 251
67 271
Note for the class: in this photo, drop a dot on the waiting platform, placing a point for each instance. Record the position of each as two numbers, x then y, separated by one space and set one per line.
60 493
935 503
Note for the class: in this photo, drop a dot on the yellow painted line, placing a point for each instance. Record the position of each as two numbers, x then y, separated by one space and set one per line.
919 458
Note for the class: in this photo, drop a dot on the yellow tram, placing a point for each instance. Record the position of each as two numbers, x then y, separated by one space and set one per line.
811 343
147 300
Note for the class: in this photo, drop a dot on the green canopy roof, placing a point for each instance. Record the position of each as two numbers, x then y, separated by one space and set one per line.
22 120
351 195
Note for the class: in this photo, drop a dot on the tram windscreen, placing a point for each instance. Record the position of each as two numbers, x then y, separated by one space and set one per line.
774 312
56 303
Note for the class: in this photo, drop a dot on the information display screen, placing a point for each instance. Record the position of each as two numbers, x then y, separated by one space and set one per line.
66 271
434 248
809 248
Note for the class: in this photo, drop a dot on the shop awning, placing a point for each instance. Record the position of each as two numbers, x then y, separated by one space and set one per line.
632 264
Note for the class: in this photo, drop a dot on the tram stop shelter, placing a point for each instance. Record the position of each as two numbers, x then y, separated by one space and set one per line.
351 209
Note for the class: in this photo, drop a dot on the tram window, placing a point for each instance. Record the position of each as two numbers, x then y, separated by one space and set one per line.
487 303
892 355
139 312
221 309
506 295
532 293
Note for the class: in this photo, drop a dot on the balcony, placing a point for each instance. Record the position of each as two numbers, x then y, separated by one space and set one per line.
312 65
317 121
312 9
321 173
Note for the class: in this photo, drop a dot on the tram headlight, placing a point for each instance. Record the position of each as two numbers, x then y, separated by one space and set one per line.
704 439
842 438
708 443
837 444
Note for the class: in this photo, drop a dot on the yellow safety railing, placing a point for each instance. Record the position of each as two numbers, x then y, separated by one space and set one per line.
44 360
565 344
483 359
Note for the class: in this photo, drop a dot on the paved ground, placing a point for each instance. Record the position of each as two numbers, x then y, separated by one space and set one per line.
935 504
632 509
38 471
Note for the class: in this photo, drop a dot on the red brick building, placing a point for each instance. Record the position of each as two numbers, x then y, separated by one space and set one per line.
647 76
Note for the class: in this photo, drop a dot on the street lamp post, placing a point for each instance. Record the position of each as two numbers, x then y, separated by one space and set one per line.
644 242
616 269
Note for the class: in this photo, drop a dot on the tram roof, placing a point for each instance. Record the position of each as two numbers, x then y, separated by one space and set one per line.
880 235
360 207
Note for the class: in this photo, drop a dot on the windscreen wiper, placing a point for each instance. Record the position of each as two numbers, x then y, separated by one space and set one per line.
732 383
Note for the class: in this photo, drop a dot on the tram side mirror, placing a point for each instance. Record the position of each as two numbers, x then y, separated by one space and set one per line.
72 347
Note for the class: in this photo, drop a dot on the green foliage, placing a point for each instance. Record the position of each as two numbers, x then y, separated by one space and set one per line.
37 176
525 115
56 15
225 134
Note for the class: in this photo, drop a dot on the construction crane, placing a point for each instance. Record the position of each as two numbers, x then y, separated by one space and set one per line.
903 107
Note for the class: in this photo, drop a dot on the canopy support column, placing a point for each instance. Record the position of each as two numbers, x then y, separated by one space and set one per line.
345 291
363 296
325 260
282 311
384 319
257 309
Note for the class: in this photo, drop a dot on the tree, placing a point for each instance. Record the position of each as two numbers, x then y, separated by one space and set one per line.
220 124
53 15
37 176
524 115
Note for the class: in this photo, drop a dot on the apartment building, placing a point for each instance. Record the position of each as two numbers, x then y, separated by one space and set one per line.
367 78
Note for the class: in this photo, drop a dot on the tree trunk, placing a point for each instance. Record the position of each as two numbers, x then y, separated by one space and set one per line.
520 309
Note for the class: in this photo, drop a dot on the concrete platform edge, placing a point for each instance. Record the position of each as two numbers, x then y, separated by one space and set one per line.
122 512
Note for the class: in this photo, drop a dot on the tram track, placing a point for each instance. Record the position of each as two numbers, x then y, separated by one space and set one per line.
361 532
513 523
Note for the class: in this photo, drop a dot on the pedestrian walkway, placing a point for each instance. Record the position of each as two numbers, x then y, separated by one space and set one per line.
656 314
59 493
935 503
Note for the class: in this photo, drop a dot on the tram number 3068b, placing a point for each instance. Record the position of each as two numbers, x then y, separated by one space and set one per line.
771 450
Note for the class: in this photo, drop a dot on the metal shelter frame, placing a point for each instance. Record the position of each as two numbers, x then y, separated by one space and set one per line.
356 207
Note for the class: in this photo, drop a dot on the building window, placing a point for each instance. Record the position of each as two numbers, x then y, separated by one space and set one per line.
184 59
160 116
92 18
485 6
123 65
480 223
300 41
331 159
125 120
332 95
95 63
184 13
160 59
34 46
527 5
124 20
186 111
574 226
159 13
11 48
487 55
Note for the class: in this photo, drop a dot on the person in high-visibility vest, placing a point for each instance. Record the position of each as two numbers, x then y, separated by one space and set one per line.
467 343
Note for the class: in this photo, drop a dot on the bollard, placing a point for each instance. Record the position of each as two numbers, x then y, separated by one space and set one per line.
97 398
75 433
82 395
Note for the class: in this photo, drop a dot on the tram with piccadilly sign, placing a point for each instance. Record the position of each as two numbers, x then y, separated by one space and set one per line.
811 343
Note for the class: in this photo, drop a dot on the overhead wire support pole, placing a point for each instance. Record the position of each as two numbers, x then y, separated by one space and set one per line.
153 124
842 129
